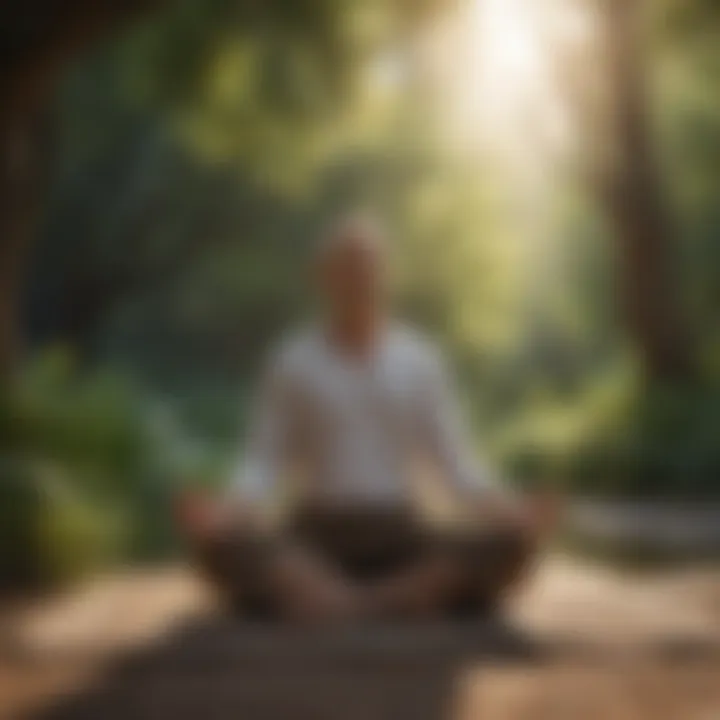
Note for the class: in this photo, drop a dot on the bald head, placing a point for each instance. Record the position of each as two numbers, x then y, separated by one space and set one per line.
351 266
349 230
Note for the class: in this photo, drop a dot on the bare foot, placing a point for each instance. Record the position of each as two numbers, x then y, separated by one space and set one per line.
417 592
313 592
328 605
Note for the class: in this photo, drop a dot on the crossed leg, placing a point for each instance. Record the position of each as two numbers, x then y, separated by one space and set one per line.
278 577
465 573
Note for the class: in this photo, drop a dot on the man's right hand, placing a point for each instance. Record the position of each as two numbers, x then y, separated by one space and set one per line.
537 515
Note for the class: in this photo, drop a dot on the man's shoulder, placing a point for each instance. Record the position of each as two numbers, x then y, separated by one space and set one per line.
300 348
416 345
294 349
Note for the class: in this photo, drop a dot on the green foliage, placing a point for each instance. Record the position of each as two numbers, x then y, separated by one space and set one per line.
88 471
91 423
623 437
48 533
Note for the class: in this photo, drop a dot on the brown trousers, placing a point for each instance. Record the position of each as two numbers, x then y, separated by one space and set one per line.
366 545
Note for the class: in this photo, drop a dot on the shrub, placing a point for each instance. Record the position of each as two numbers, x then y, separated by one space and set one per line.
86 472
624 436
48 534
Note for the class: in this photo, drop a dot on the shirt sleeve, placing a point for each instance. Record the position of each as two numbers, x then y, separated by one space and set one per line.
267 448
445 433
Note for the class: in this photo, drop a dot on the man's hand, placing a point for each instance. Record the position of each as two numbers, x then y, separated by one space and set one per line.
494 507
536 515
201 516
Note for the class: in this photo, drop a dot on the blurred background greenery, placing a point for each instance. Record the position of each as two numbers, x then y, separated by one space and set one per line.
548 171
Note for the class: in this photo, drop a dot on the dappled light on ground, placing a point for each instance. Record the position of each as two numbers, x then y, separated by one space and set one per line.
582 639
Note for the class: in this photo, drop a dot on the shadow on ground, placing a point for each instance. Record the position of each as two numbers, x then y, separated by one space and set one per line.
216 669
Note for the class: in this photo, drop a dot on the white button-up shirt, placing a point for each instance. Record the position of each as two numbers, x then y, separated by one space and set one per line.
354 428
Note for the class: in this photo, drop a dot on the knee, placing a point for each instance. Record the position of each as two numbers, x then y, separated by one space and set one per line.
498 556
231 556
511 543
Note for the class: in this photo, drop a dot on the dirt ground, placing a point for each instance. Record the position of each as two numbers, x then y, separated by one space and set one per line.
582 641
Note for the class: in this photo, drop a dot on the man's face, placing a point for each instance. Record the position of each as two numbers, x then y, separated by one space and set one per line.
352 275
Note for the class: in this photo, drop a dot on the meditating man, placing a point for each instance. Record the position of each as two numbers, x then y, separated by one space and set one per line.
348 408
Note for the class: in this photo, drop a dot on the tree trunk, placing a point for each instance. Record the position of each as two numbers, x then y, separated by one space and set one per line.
38 38
18 193
632 194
